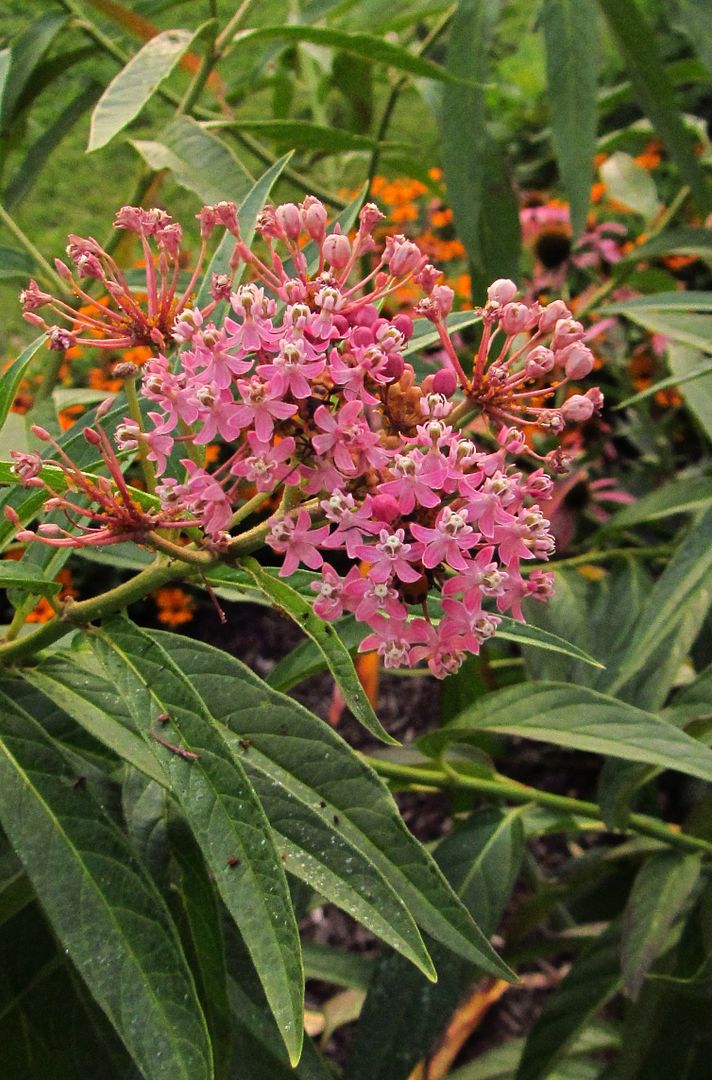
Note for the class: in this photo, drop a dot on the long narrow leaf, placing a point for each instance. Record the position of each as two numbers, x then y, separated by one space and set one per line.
102 905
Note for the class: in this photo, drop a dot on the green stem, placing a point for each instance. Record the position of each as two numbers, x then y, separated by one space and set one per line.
500 787
49 271
224 39
197 84
251 507
147 468
82 612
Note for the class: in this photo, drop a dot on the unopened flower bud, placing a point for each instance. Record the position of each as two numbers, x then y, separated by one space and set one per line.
578 361
290 219
394 366
59 339
566 332
404 256
577 409
551 314
124 370
41 433
92 436
404 324
445 382
384 508
12 516
515 318
540 361
315 217
502 291
337 250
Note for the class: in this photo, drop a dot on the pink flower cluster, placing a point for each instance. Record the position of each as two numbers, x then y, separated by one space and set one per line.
307 387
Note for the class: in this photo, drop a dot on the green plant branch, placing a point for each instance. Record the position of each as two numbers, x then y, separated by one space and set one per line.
80 613
500 787
48 271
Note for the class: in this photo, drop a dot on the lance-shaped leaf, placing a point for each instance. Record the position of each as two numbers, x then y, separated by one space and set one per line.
13 576
579 718
682 496
687 573
295 750
659 895
11 378
135 84
377 50
16 265
641 53
308 833
593 979
324 636
200 162
330 140
570 40
221 808
101 903
25 55
402 1016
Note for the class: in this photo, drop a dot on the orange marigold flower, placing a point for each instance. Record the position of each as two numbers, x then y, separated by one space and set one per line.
175 606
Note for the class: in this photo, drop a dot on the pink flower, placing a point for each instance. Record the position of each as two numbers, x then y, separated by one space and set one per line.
447 541
297 542
391 556
262 407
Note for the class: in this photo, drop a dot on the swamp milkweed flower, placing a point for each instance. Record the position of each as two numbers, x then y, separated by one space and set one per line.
308 387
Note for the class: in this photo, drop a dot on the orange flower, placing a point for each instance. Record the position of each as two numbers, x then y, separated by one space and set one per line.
175 606
99 379
69 415
43 610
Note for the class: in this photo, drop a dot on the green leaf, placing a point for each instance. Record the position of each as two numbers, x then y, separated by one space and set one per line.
682 496
221 808
630 184
581 719
694 19
303 761
403 1015
302 133
376 50
11 378
199 161
501 1062
464 132
689 329
688 572
75 684
664 301
641 53
536 638
658 897
25 55
203 937
319 851
247 215
326 639
135 84
570 38
25 176
675 242
15 888
671 380
102 905
697 392
593 979
336 966
13 576
15 265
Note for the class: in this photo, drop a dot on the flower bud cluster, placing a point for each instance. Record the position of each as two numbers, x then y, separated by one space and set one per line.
307 386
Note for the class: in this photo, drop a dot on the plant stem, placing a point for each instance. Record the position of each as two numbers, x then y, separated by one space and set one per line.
500 787
601 556
49 271
81 612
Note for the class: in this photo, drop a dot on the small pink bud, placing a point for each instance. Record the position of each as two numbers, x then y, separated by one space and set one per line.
566 332
551 315
92 436
540 361
384 508
315 217
445 382
337 250
577 409
369 217
41 433
404 256
48 529
63 270
12 516
362 336
578 361
290 219
594 395
515 318
502 291
25 536
443 298
365 315
404 324
394 366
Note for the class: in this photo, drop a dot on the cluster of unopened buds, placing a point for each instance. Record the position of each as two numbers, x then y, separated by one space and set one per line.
306 386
